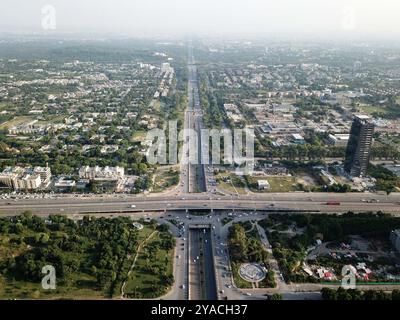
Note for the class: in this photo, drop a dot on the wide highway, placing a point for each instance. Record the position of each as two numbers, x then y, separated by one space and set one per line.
314 202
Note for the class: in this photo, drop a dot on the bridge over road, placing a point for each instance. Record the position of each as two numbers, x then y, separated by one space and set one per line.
313 202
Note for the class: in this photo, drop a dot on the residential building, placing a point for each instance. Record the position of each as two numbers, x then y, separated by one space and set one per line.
19 178
27 182
26 128
44 173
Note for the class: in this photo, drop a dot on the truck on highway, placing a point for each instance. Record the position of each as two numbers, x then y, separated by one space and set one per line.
333 203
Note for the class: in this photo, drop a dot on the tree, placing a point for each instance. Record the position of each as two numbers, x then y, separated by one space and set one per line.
396 295
328 294
18 228
275 296
343 294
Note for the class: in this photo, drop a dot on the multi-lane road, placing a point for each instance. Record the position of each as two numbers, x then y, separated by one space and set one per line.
313 202
195 276
194 121
202 264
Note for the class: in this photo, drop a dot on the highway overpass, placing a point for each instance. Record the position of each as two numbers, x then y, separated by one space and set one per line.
312 202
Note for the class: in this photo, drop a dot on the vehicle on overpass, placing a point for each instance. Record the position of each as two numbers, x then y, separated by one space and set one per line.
333 203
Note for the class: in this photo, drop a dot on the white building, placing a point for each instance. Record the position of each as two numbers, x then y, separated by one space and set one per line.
26 128
8 176
98 173
297 138
263 184
44 173
19 178
338 139
64 184
28 182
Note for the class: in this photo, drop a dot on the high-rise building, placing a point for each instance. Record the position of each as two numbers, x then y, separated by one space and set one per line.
395 239
359 146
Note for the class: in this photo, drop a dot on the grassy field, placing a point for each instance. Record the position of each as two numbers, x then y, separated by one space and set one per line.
233 185
277 184
144 233
53 119
365 108
166 178
282 184
139 136
16 121
146 278
5 106
156 105
83 288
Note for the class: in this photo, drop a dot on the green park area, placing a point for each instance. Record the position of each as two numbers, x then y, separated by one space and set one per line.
277 183
138 136
91 256
15 122
245 247
152 272
231 183
165 177
370 109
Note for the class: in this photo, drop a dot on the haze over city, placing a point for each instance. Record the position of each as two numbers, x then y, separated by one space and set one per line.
328 18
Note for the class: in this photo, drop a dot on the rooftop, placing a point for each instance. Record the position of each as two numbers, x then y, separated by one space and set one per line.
363 117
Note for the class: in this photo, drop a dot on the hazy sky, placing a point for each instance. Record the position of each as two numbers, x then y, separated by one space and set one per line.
147 17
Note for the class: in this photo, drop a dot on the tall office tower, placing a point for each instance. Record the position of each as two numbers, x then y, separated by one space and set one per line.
359 146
